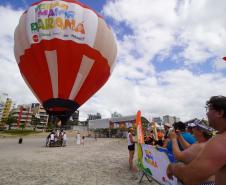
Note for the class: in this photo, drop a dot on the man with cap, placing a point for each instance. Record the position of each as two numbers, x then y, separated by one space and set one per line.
167 127
211 160
180 127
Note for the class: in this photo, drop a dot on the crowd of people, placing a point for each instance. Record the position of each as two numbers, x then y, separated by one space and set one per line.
205 162
56 138
200 154
59 138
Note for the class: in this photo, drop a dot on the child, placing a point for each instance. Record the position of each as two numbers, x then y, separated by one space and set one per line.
83 140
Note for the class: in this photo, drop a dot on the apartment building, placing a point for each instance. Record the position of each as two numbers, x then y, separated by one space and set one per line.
22 115
5 106
170 119
40 115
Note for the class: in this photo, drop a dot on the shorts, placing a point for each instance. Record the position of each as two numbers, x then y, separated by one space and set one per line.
207 183
131 147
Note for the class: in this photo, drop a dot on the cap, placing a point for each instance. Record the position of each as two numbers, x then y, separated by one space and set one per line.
167 125
201 125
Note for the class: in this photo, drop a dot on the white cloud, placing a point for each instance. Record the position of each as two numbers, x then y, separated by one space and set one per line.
9 20
220 64
177 93
203 29
160 25
11 81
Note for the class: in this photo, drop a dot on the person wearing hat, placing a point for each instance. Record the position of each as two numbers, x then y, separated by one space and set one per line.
211 159
200 131
181 128
167 127
131 147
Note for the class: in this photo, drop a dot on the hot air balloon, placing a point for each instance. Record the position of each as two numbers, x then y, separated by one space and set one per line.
224 58
65 52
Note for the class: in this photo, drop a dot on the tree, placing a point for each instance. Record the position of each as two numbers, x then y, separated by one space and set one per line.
116 115
10 120
35 121
94 116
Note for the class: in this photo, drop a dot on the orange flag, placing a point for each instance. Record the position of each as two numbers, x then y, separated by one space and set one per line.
140 135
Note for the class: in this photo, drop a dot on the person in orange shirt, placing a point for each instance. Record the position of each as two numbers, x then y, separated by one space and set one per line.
160 135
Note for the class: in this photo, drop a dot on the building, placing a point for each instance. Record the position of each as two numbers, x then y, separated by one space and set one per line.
158 120
40 116
117 126
94 116
23 115
170 119
5 106
117 122
98 123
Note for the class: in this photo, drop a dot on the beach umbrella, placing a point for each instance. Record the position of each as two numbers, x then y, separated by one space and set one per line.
65 52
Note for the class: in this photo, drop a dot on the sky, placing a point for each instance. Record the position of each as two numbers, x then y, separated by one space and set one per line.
169 59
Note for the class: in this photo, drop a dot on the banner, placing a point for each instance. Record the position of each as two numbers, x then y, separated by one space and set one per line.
154 161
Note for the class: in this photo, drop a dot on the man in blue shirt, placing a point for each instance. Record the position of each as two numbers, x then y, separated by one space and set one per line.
180 126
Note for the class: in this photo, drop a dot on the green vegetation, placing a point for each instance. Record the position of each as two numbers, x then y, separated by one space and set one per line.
20 132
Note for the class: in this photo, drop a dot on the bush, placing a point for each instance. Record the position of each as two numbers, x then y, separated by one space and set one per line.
20 132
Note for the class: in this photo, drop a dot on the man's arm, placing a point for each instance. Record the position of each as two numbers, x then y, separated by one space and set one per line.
209 161
183 156
176 150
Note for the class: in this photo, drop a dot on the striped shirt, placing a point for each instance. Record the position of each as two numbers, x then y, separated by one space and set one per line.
207 183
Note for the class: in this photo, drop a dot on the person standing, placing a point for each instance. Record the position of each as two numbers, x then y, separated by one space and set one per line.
131 147
78 139
47 139
83 140
64 139
180 127
167 127
211 159
52 139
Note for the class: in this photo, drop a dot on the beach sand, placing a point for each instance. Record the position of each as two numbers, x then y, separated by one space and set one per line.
101 162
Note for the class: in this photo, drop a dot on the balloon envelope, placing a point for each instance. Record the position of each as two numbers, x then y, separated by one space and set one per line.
65 53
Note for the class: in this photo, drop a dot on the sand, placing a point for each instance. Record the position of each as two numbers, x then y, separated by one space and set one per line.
101 162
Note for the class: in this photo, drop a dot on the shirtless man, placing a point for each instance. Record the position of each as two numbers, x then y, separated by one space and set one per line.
211 159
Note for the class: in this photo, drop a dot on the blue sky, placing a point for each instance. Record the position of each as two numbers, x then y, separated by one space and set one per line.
97 5
169 56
